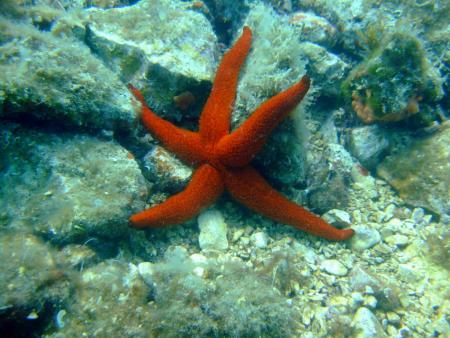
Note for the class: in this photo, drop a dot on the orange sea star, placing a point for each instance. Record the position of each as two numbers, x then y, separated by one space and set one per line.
222 158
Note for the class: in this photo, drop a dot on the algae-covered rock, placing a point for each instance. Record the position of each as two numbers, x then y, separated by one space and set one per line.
420 172
33 278
67 186
58 80
110 300
160 46
394 83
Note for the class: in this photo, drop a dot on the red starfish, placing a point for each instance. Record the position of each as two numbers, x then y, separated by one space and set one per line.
222 158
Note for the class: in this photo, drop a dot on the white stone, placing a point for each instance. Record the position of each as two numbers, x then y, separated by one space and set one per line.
213 231
338 218
146 271
366 325
398 240
364 238
260 239
333 267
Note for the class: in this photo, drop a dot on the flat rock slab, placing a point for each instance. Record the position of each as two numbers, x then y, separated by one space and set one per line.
420 172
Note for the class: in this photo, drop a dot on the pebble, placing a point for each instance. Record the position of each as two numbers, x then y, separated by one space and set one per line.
213 231
237 234
260 239
333 267
338 218
398 240
146 271
393 318
371 302
365 238
366 325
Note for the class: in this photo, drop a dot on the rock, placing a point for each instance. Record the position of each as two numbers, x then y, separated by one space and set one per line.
419 172
67 187
260 239
163 168
47 78
386 292
113 293
146 271
338 218
313 28
333 267
366 325
79 256
398 240
34 278
368 144
213 231
364 238
142 45
384 88
326 68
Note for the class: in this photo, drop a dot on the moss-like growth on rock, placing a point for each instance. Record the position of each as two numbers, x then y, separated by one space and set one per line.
394 83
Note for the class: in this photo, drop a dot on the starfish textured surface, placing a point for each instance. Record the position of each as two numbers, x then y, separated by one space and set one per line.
222 159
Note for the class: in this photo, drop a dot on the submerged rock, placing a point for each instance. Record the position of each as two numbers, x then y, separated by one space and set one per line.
160 46
58 80
420 172
366 325
67 186
111 300
33 278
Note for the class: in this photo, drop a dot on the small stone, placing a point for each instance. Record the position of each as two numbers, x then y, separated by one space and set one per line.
371 302
366 325
393 318
364 238
417 215
213 231
333 267
237 234
409 272
338 218
176 253
146 271
389 212
398 240
260 239
198 258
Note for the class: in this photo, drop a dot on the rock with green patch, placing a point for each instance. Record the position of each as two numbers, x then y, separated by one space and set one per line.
67 186
396 82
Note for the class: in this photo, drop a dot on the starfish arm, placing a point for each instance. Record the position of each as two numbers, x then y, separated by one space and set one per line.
238 148
203 189
252 190
184 143
215 118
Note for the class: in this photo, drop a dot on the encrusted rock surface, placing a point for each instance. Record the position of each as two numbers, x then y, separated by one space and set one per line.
67 187
59 81
420 172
